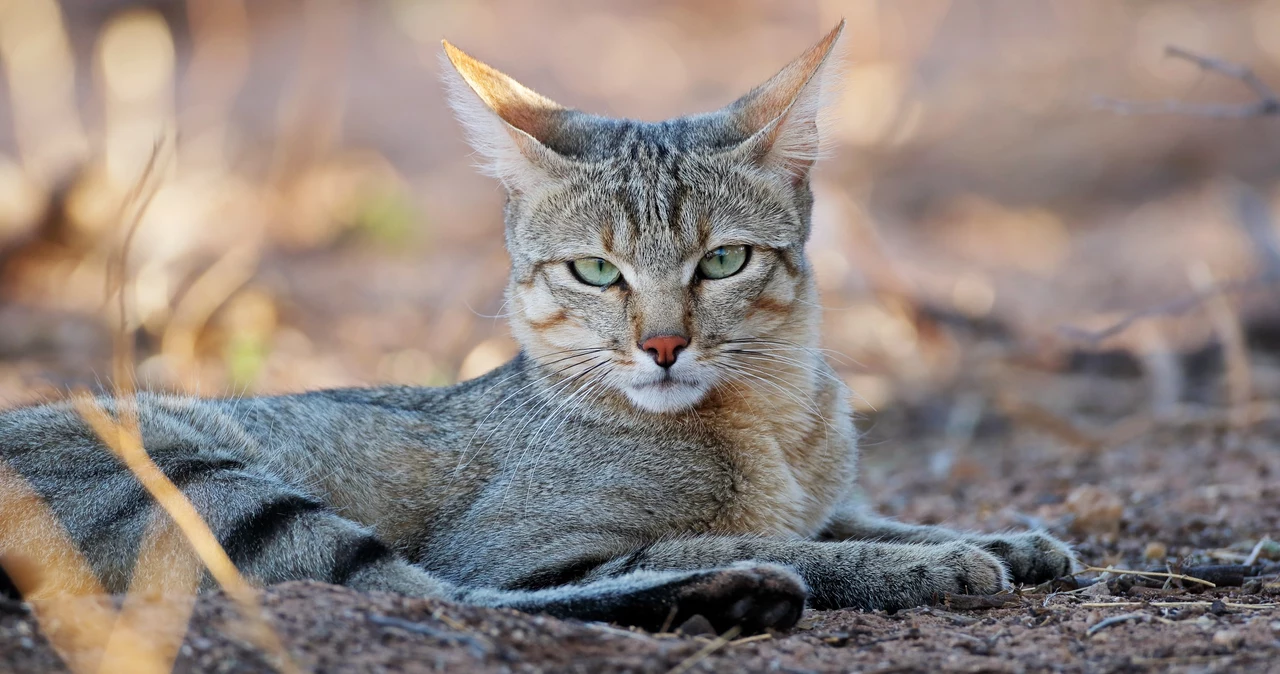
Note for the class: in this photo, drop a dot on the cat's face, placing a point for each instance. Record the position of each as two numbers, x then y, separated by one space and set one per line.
663 260
700 254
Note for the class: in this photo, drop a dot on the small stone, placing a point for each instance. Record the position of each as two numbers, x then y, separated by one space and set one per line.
1096 510
1275 625
1156 551
1228 638
698 625
1098 589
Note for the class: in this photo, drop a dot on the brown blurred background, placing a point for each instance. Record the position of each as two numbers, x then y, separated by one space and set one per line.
313 218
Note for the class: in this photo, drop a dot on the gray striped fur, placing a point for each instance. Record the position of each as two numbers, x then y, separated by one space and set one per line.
579 479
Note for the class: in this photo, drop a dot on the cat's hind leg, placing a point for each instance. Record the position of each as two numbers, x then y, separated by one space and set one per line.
274 531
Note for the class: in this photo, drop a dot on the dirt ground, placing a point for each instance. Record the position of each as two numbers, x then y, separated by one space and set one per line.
1183 497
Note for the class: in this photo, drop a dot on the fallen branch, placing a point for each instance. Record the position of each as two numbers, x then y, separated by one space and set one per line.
1221 575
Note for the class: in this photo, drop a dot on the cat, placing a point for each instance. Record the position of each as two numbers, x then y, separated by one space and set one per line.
669 441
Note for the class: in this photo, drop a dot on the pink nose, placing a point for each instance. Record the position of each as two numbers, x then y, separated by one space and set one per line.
664 348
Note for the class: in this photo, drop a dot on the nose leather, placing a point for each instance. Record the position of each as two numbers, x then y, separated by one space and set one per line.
664 348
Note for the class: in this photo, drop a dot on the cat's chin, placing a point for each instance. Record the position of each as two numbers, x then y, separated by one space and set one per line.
666 396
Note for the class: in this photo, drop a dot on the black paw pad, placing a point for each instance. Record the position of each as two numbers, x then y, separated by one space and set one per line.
754 598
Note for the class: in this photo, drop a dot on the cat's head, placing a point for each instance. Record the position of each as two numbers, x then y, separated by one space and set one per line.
658 260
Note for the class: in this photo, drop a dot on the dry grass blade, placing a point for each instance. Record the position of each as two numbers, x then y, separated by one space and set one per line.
166 569
1151 574
63 589
123 436
718 643
126 443
751 639
132 208
207 293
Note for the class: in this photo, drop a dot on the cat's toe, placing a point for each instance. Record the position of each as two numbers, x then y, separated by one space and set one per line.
1033 557
972 570
754 597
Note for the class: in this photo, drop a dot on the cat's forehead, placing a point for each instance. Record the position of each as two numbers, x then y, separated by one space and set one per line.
654 193
656 208
592 138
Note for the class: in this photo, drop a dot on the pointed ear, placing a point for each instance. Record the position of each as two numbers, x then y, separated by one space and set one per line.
783 116
505 121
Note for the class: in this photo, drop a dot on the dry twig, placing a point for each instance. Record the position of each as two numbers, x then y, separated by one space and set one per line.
1172 308
1256 551
1253 215
1152 574
1116 620
1175 604
1268 102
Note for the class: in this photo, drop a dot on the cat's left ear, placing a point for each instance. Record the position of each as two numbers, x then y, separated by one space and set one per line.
783 116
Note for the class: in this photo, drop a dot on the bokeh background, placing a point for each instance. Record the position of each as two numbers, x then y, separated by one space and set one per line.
313 218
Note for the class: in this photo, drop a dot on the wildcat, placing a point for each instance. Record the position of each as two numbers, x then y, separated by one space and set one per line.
669 440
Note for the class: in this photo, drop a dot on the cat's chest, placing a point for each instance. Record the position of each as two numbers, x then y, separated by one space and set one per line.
763 493
738 481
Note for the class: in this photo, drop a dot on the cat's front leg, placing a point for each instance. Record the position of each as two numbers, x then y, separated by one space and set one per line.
857 574
1031 557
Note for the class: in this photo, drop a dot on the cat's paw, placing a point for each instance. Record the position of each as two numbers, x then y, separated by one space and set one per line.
967 569
898 576
1034 557
754 596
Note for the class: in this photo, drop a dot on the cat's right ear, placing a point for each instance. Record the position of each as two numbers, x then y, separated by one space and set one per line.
505 121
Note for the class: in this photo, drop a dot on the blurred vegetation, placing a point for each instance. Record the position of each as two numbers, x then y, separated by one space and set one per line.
317 221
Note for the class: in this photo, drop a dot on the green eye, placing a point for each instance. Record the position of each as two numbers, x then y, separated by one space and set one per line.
595 271
723 262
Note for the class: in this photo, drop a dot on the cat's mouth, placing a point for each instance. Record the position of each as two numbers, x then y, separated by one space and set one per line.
666 382
667 394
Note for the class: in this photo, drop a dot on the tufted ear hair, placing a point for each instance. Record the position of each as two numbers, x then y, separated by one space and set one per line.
783 117
506 122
